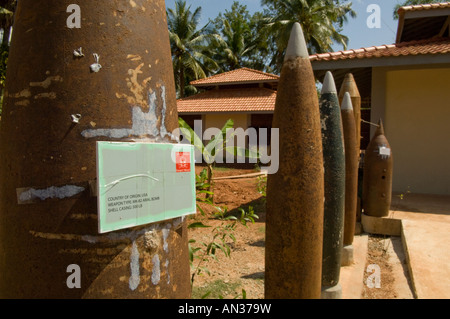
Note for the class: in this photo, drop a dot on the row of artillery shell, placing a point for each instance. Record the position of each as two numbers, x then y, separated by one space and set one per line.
319 152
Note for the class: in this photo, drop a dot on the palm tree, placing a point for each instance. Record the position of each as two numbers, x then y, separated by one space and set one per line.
238 42
321 21
232 50
190 56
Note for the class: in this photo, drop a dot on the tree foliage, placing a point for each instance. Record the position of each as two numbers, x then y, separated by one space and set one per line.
321 20
241 44
7 8
4 52
236 39
189 46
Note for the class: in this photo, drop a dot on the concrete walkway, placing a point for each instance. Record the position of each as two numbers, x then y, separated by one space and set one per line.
352 276
423 223
426 241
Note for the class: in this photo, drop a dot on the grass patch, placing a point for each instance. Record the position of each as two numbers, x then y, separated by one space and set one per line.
216 290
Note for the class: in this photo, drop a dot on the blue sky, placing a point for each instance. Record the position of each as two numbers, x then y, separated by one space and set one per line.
356 29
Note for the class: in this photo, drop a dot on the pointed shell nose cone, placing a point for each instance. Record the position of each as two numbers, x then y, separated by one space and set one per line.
347 102
349 85
380 129
296 45
328 84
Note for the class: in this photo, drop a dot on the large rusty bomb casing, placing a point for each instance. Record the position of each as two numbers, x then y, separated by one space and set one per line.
377 178
351 169
349 85
334 182
56 107
294 225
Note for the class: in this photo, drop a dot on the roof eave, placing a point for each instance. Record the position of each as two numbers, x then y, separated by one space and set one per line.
234 83
401 23
413 14
425 13
226 112
418 59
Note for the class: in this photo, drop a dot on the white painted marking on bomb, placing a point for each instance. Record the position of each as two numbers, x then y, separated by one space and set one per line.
156 271
134 267
125 236
165 232
167 270
142 123
163 130
384 151
52 192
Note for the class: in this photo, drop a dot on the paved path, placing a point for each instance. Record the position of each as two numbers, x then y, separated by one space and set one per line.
426 240
351 277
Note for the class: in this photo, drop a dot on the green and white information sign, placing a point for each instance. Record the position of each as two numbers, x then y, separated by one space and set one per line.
141 183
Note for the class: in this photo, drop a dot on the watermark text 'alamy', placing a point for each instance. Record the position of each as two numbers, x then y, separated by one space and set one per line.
236 144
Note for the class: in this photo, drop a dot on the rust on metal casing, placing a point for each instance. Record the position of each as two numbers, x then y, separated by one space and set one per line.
351 169
294 225
377 178
109 80
349 85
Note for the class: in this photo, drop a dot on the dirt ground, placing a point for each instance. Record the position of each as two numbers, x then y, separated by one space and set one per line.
227 277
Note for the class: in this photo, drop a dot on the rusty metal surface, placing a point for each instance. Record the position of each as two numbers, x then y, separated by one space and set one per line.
294 225
351 176
132 96
377 178
349 85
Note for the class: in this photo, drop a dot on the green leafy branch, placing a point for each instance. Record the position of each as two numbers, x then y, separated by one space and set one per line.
262 186
214 147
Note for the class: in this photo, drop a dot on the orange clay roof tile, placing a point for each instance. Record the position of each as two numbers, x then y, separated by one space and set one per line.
229 100
416 47
236 76
419 7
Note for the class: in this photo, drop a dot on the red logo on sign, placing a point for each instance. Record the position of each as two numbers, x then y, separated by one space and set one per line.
183 161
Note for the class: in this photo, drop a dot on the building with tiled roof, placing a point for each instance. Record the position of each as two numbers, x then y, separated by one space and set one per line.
240 100
406 84
245 95
237 77
243 90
